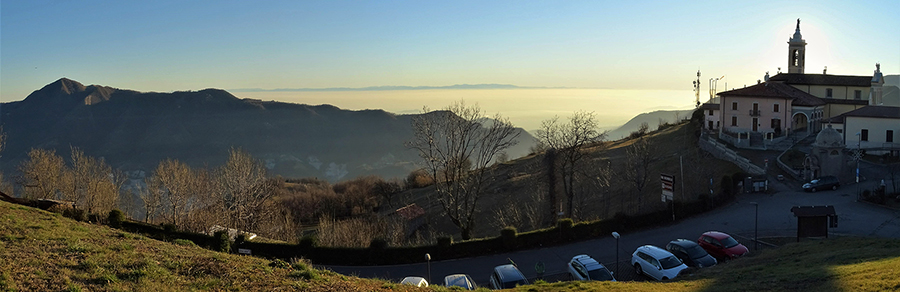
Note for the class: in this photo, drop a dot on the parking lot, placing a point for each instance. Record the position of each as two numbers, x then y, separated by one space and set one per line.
738 218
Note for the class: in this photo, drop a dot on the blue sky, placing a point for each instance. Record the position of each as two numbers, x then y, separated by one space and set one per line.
191 45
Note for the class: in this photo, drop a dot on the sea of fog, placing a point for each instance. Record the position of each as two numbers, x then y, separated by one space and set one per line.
525 108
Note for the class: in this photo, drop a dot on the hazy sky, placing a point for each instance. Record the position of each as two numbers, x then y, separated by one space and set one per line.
191 45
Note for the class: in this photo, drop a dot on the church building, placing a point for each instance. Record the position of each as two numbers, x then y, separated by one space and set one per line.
790 106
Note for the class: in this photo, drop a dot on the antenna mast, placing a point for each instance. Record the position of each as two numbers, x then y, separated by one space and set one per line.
697 89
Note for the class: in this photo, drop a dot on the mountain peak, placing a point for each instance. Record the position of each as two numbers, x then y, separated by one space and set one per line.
65 85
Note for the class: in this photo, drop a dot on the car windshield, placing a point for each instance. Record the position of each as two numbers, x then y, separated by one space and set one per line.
696 252
729 242
669 262
460 281
815 181
601 274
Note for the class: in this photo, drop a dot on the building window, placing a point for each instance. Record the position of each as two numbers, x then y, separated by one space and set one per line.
734 105
828 93
776 124
734 121
864 135
710 112
775 108
857 94
889 136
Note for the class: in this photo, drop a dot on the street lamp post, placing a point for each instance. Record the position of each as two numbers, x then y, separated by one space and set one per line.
616 235
755 226
428 259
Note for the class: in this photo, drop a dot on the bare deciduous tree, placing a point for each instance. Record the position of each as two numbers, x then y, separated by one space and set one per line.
152 198
42 174
91 183
176 182
522 213
570 139
458 148
638 157
244 189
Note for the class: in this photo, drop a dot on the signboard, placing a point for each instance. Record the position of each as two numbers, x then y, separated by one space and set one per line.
668 187
244 251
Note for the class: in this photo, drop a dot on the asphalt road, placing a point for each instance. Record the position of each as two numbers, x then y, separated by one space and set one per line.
775 219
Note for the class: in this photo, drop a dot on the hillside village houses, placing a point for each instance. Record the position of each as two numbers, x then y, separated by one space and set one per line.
787 107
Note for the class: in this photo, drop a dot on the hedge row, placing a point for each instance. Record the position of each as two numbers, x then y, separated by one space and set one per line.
378 254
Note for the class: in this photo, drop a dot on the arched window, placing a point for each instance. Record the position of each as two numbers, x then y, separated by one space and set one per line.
796 58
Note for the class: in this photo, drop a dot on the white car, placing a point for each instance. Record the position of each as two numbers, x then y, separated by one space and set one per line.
415 281
584 268
656 263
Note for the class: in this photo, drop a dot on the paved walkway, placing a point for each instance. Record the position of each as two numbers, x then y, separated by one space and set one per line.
775 219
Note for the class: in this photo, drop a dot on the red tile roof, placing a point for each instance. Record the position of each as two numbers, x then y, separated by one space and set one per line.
776 90
823 79
411 211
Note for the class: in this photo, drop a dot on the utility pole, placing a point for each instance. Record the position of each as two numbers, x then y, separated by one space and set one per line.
697 89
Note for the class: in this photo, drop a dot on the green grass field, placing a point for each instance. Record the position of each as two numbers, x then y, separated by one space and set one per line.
43 251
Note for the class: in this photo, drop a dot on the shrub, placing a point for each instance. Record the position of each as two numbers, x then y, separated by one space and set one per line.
116 218
223 242
75 214
279 263
444 242
240 238
95 218
307 242
303 270
509 237
378 244
640 132
170 228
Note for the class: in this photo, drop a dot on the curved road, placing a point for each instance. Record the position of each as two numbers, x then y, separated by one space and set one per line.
775 219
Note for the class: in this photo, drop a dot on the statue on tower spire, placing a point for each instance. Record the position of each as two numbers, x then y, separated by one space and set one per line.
798 24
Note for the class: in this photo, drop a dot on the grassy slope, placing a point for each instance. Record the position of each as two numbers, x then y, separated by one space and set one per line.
518 180
43 251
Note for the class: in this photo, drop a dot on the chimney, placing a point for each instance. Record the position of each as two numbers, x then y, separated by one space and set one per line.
825 70
758 81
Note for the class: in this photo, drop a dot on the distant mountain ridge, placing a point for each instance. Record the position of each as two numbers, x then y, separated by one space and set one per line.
653 119
380 88
134 131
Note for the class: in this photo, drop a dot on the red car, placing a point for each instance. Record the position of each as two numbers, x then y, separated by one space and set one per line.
721 246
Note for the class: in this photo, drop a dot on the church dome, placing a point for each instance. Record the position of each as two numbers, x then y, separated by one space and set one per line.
829 137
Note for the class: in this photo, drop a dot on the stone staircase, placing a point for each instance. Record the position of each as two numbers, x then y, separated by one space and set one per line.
788 142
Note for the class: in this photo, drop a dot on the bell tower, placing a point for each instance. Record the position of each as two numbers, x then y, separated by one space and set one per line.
796 52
